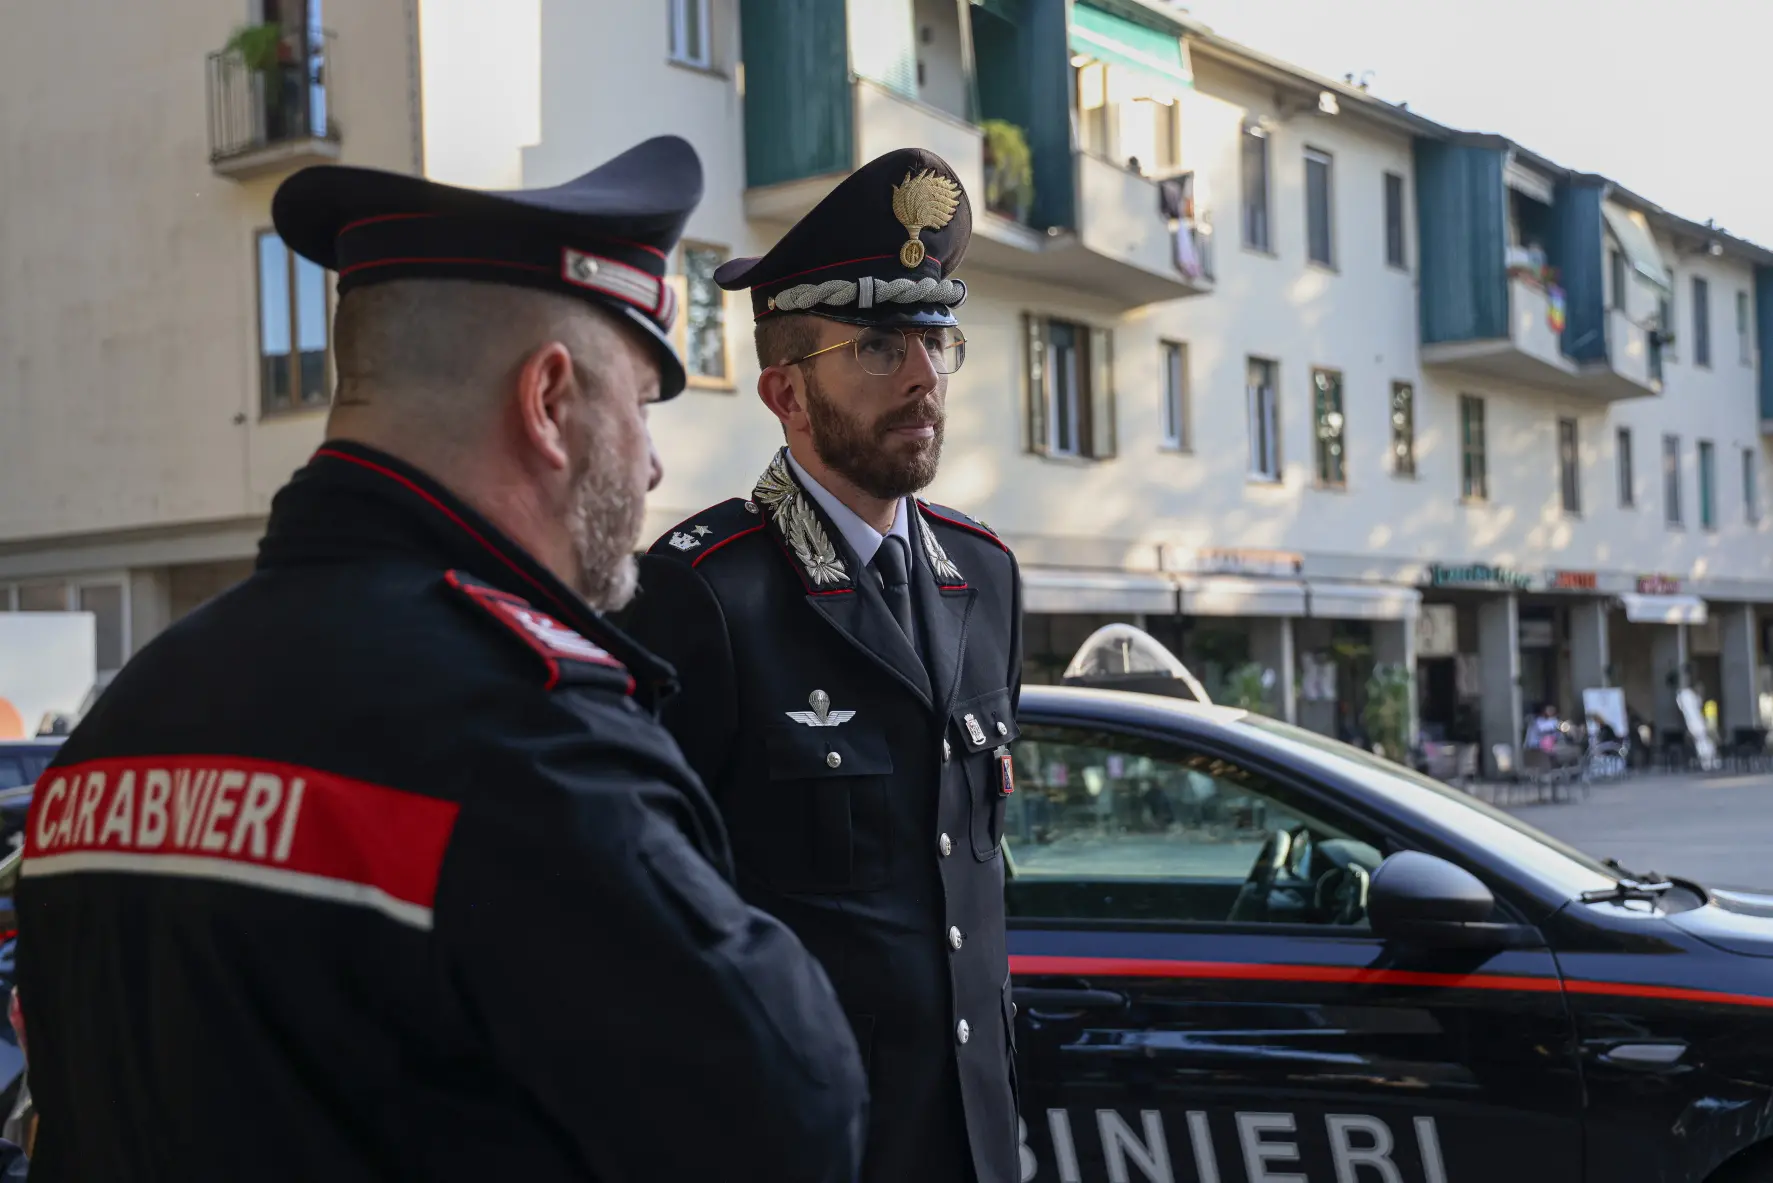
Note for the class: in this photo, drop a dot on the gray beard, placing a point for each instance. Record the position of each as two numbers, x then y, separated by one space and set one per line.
607 518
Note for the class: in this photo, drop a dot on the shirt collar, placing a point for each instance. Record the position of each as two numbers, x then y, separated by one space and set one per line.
864 539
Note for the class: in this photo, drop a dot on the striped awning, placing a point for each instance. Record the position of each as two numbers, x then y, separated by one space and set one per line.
1156 58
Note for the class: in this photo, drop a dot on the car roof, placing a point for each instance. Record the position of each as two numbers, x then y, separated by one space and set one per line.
1482 835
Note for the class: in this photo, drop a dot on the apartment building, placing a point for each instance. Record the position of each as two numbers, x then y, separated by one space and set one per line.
1287 374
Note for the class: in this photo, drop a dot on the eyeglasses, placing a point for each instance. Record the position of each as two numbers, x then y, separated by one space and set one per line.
881 351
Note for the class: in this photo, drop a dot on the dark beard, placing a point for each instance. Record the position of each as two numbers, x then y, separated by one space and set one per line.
856 450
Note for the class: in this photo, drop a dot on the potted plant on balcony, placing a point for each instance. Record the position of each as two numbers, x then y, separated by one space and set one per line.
1009 170
262 49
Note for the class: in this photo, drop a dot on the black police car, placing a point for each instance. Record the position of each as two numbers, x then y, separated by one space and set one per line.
1245 953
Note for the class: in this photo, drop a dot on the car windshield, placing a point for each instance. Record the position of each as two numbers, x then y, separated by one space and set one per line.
1558 863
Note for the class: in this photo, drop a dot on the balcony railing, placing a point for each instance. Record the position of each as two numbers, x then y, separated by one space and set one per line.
280 117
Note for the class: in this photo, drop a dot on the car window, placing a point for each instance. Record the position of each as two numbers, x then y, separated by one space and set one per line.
22 766
1111 827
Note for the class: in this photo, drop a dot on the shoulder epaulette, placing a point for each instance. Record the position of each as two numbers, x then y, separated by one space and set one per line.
698 536
566 655
953 517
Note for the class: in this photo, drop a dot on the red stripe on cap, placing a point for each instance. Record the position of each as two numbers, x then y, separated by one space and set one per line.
451 261
272 825
349 226
1125 967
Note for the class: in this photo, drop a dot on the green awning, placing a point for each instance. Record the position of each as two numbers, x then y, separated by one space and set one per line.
1156 56
1639 245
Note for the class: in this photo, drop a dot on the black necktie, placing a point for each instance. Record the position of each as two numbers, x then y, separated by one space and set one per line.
893 566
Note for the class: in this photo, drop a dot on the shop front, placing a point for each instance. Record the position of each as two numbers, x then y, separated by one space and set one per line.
1468 656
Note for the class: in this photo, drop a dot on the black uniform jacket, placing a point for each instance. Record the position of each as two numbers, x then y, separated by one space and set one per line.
872 826
379 866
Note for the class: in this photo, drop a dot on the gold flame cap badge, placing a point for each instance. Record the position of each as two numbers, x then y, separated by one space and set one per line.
923 201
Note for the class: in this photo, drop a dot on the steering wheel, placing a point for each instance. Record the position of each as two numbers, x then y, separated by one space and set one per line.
1340 897
1252 897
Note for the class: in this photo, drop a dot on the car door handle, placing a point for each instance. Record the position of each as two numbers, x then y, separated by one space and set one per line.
1662 1055
1051 1002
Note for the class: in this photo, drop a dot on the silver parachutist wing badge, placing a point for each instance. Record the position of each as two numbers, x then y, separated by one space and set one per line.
821 715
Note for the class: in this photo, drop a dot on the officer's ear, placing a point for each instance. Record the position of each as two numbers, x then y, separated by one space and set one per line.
546 386
783 390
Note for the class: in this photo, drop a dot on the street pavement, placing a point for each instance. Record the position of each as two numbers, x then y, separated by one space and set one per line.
1716 830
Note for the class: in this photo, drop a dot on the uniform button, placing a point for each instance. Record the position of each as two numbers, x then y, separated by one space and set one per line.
945 844
963 1032
955 940
1002 727
833 760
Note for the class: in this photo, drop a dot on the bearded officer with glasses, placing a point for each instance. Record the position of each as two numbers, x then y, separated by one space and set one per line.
851 658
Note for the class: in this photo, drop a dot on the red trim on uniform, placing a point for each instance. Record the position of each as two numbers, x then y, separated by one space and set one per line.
801 575
725 541
446 511
1126 967
281 827
979 530
370 221
550 639
476 262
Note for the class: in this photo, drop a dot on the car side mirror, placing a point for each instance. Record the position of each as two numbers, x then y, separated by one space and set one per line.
1416 898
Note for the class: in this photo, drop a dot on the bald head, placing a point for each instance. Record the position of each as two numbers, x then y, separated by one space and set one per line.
529 405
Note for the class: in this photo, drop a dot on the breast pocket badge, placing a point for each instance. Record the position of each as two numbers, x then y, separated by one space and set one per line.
821 715
1006 772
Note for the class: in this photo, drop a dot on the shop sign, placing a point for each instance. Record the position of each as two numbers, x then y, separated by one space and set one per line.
1477 574
1658 585
1242 561
1572 580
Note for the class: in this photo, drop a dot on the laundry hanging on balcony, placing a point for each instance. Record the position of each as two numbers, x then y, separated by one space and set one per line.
1156 64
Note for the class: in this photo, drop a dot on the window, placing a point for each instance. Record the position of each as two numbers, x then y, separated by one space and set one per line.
1708 476
1617 259
1167 115
1326 398
1665 324
1628 491
1701 322
689 33
1318 247
1394 220
1255 168
1671 479
1473 462
1175 364
1403 429
1117 827
1264 420
106 598
293 359
1095 114
1070 370
1569 467
1745 349
1751 488
704 318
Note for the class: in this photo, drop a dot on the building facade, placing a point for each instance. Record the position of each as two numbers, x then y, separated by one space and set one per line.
1298 380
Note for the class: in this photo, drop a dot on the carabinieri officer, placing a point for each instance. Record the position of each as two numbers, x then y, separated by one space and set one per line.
851 659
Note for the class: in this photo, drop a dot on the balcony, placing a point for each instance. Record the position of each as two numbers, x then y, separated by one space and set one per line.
1124 248
1496 305
271 104
884 121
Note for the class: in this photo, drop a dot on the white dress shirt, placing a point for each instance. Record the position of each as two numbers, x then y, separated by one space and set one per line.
864 539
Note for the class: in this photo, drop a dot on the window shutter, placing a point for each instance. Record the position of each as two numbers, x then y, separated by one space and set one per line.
1101 394
1034 348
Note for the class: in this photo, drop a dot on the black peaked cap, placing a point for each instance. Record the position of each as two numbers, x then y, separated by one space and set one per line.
604 237
901 216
